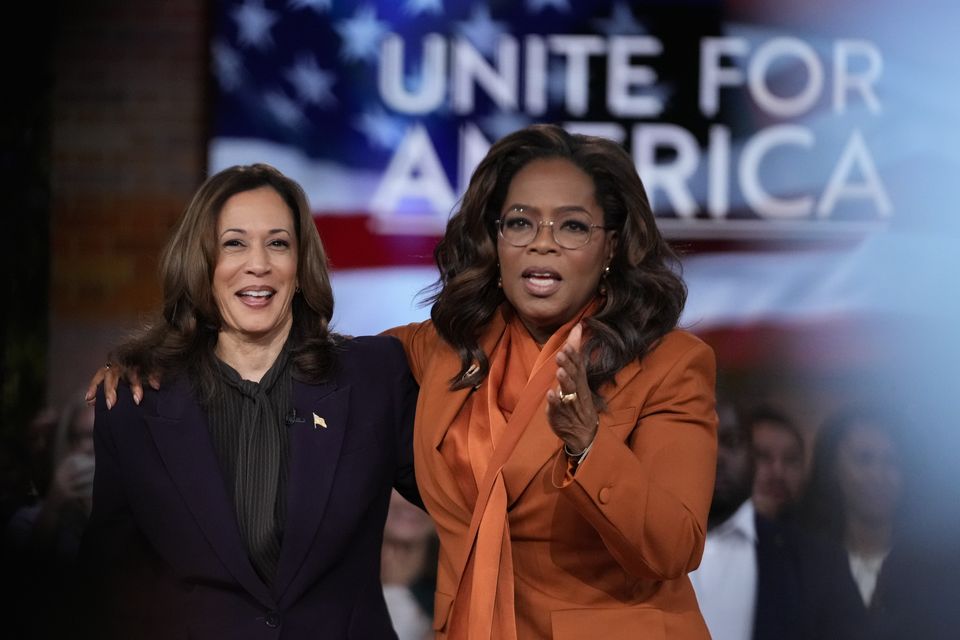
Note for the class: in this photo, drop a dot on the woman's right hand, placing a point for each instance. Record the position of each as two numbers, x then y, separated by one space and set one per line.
110 374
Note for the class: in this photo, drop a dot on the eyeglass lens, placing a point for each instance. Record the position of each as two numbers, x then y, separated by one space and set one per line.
570 230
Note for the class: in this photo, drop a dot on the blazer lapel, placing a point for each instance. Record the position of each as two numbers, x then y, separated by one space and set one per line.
314 452
622 381
179 430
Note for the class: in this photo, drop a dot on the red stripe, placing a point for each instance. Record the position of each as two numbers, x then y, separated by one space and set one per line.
351 244
834 344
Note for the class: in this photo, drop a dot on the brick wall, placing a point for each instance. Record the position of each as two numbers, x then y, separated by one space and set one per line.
127 150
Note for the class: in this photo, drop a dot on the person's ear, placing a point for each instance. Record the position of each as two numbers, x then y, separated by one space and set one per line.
614 243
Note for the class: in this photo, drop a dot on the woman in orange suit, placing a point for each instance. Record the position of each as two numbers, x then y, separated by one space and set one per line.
565 432
565 440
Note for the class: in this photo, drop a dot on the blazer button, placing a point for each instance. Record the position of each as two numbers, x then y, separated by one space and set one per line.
272 619
604 495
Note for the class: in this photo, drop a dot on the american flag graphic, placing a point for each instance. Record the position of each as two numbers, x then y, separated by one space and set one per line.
381 109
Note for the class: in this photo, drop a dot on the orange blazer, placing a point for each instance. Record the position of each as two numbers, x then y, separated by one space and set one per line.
604 553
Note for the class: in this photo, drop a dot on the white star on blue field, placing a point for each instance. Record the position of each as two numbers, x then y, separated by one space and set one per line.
381 129
313 84
284 109
361 35
254 22
227 65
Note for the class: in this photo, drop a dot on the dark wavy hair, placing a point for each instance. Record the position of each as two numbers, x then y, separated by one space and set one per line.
822 507
183 337
645 293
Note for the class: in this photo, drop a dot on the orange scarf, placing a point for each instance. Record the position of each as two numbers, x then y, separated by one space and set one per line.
514 391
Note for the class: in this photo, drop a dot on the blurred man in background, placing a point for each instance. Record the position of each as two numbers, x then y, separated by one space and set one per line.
760 579
779 461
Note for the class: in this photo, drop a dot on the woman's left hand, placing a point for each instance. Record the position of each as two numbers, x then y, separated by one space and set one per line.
570 409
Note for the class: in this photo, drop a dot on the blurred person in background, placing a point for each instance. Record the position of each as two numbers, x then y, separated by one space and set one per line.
861 496
39 445
778 455
726 580
26 464
55 524
408 569
42 540
33 576
761 579
16 487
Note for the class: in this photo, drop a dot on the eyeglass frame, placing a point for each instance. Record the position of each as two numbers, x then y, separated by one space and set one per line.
550 223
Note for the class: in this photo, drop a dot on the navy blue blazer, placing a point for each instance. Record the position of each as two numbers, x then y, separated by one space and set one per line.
915 597
163 540
803 588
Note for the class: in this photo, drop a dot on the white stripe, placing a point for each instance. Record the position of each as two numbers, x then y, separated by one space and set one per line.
334 187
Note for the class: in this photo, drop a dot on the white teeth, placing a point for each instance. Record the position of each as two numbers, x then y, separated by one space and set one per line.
257 294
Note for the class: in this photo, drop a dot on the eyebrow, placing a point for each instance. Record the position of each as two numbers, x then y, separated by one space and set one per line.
244 231
567 208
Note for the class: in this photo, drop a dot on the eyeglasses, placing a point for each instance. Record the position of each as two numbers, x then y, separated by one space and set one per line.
570 230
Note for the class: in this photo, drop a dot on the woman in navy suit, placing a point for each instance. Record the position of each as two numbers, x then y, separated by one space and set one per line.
247 497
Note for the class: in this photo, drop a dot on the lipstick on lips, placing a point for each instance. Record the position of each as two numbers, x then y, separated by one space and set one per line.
541 282
258 296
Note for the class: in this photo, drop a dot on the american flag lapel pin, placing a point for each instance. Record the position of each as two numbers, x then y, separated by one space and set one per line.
318 422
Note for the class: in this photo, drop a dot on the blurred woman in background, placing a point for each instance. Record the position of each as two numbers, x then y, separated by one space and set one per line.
860 496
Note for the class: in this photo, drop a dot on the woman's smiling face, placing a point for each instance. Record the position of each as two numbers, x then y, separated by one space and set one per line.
256 272
545 283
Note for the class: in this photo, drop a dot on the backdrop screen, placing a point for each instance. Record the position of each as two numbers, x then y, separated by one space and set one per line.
780 144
